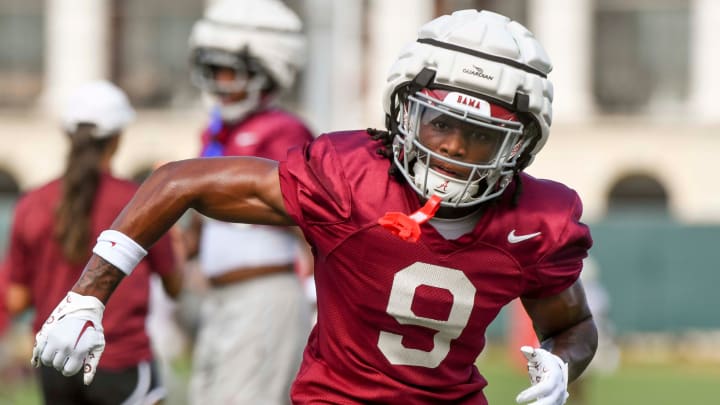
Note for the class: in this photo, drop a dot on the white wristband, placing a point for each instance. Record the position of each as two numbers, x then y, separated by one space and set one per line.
119 250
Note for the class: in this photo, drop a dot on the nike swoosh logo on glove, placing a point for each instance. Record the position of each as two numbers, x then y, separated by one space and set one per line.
88 324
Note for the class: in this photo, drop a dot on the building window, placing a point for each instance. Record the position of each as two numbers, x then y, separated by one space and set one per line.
638 194
515 9
22 33
641 53
150 50
142 174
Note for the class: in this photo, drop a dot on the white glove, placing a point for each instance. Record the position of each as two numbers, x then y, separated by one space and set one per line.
72 337
548 378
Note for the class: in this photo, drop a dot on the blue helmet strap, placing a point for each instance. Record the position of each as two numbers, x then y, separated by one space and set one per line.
214 148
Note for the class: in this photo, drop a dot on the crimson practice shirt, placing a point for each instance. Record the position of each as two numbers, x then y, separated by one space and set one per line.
267 133
35 260
4 315
401 321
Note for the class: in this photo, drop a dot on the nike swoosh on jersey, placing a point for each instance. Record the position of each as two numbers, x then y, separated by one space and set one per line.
246 139
512 238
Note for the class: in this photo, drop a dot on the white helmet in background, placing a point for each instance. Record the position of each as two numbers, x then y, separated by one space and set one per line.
479 68
99 103
261 40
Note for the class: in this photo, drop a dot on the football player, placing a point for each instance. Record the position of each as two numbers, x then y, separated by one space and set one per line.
244 54
411 267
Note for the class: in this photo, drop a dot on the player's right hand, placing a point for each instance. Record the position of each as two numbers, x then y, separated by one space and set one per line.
72 337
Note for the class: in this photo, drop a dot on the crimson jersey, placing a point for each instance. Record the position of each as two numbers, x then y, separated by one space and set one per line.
401 321
267 133
4 315
35 260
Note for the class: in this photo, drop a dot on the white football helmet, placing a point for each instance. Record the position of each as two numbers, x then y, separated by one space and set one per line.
471 69
261 40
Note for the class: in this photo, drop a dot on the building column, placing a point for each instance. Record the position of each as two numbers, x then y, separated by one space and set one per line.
332 93
704 60
391 25
346 87
77 47
566 33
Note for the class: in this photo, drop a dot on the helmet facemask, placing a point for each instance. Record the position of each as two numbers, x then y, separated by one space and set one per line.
249 79
487 141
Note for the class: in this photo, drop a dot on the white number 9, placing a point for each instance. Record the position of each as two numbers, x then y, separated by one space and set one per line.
401 297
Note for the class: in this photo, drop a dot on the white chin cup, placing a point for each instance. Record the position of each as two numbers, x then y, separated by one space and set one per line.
449 188
231 112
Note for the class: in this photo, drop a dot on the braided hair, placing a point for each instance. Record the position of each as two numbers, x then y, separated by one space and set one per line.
79 186
385 149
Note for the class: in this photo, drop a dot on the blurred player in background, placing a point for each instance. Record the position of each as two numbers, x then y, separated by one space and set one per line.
255 318
607 358
411 266
54 227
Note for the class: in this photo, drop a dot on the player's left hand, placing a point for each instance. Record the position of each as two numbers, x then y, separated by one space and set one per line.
548 378
72 337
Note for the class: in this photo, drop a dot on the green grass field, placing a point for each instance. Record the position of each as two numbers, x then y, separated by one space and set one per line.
637 382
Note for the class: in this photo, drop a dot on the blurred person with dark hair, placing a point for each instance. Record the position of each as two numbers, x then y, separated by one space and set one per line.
54 227
255 317
607 357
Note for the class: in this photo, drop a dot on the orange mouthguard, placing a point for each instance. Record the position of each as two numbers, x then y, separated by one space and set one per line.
407 227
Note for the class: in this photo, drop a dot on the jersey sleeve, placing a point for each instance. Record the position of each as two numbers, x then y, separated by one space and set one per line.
160 256
560 267
314 186
268 135
292 133
287 133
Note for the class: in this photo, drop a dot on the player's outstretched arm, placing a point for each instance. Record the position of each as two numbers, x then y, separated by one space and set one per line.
239 189
568 337
565 326
234 189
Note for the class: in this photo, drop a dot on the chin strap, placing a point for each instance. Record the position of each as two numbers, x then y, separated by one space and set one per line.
407 227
